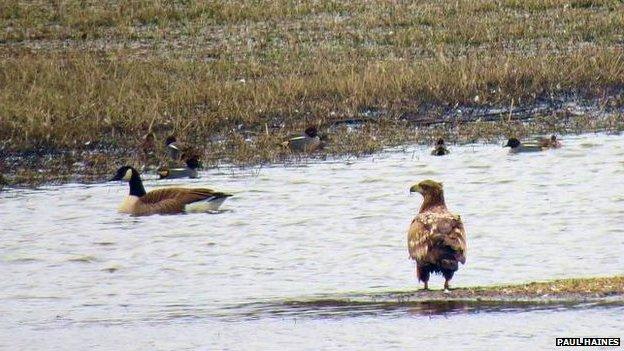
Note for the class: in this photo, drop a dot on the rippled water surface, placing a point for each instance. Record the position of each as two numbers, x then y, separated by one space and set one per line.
78 275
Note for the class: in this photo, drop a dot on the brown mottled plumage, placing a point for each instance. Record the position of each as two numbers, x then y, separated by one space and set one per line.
550 143
148 149
167 200
436 238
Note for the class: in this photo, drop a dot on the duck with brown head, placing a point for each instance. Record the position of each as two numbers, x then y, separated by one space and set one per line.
148 150
436 239
171 200
549 143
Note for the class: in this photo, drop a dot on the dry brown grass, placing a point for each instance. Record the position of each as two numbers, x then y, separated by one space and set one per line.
106 72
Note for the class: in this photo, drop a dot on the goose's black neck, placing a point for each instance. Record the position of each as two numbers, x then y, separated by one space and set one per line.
136 186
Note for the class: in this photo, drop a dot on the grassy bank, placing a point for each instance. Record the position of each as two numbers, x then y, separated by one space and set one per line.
82 77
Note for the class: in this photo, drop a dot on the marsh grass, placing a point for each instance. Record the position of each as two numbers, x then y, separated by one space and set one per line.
237 77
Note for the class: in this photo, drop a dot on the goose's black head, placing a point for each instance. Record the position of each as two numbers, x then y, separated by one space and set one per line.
132 176
311 131
170 139
553 138
512 142
126 173
440 142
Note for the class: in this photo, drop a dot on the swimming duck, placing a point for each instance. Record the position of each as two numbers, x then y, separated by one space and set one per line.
440 149
308 142
167 200
436 238
190 171
517 147
549 143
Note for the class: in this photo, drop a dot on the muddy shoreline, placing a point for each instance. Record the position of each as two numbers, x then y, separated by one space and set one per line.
367 132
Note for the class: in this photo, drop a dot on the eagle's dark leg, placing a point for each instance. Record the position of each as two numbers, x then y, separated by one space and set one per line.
423 275
448 275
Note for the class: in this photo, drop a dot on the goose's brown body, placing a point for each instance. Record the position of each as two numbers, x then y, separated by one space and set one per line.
436 238
167 201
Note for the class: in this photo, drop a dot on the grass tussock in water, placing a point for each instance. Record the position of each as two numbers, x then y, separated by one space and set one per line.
237 78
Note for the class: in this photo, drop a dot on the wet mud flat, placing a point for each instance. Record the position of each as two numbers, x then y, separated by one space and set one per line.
567 294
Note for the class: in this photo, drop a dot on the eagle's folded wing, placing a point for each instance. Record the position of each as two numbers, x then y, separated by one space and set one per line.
419 239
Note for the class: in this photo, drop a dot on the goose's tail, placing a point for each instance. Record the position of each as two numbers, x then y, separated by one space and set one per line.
210 204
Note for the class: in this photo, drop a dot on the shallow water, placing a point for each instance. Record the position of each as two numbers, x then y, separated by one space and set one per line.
79 275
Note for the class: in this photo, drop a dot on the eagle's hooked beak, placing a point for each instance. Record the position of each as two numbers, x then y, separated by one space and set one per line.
415 189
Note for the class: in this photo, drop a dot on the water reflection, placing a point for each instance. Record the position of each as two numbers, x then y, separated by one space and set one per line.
390 306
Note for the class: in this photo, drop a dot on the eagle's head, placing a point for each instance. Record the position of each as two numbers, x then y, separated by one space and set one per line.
427 187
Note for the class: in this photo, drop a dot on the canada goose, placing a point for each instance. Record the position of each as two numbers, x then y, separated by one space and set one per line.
440 149
308 142
166 200
549 143
190 171
436 238
517 147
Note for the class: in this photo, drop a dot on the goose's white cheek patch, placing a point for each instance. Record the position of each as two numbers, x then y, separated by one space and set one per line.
128 175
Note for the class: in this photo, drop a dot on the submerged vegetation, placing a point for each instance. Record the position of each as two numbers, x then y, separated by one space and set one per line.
82 81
